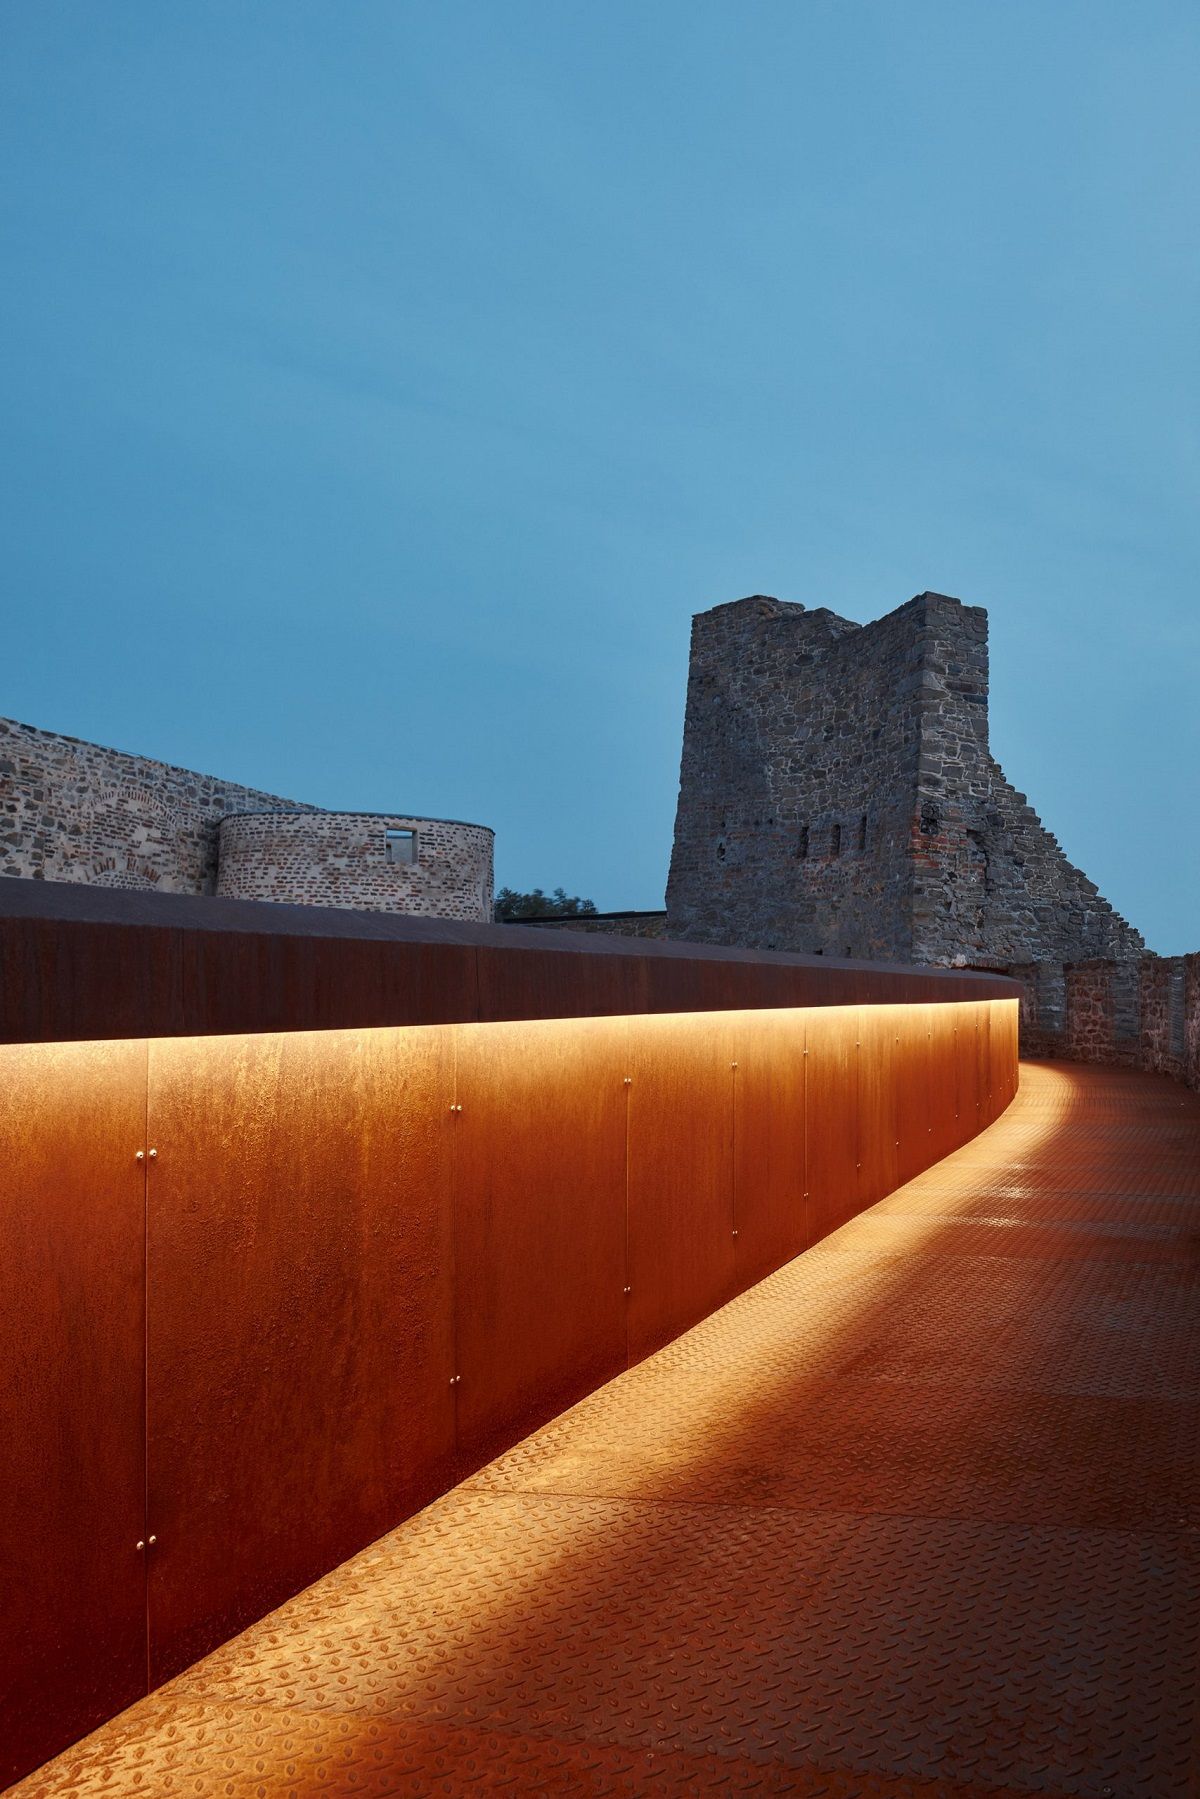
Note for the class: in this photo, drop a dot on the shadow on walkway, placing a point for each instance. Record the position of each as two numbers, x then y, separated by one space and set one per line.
917 1515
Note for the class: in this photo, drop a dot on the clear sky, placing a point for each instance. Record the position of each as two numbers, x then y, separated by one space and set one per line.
387 383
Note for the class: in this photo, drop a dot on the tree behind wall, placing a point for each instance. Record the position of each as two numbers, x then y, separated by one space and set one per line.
512 905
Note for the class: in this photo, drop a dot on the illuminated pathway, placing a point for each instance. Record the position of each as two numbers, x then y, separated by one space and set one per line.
918 1515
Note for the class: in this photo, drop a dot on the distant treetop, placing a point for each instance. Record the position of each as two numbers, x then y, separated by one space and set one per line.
510 904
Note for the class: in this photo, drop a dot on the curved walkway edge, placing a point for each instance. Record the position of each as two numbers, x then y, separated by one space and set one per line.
918 1515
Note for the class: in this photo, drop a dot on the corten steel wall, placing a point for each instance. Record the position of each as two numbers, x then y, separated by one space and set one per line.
266 1292
360 1262
78 963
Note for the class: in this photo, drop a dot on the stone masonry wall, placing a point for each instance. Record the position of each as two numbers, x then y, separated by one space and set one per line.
991 885
339 859
1131 1014
797 783
74 811
837 796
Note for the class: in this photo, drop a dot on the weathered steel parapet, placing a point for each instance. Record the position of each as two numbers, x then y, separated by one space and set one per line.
307 1215
84 962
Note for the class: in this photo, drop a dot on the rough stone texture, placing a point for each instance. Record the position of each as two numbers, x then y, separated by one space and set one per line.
75 811
338 859
1140 1014
837 795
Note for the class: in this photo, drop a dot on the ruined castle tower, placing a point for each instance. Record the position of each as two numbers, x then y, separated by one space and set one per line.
837 796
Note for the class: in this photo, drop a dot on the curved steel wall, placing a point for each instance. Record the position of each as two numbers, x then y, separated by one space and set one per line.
363 1261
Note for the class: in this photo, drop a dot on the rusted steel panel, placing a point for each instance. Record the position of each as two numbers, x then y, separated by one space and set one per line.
681 1222
943 1080
539 1221
832 1136
1004 1052
698 984
878 1140
966 1071
72 1496
984 1089
275 982
551 984
914 1115
768 1140
300 1322
81 962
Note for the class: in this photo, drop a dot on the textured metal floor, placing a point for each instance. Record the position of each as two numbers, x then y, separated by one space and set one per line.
918 1515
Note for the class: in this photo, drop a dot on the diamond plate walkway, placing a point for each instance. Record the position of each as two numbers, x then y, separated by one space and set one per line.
916 1516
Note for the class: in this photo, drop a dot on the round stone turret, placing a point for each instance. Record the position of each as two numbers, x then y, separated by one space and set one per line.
365 861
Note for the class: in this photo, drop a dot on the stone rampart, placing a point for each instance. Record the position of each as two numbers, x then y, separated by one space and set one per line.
76 811
1143 1013
343 859
838 796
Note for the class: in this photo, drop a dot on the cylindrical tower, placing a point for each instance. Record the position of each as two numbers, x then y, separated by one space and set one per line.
366 861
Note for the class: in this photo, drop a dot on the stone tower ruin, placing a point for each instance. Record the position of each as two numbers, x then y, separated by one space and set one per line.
837 796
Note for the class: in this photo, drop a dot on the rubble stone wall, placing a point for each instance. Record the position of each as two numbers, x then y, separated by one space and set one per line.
838 796
75 811
1133 1014
340 859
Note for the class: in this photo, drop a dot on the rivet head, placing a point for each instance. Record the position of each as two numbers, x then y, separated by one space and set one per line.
141 1156
154 1155
734 1233
140 1546
152 1541
627 1289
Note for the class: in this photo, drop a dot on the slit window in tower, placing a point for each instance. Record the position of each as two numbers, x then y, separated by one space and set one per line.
835 841
400 845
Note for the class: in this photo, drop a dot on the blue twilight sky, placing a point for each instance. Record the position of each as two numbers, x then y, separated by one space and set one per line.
387 383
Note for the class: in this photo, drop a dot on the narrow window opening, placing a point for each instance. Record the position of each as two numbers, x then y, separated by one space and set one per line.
400 846
835 841
802 844
862 835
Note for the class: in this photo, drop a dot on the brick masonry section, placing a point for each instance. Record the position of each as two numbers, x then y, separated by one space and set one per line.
837 795
75 811
339 859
